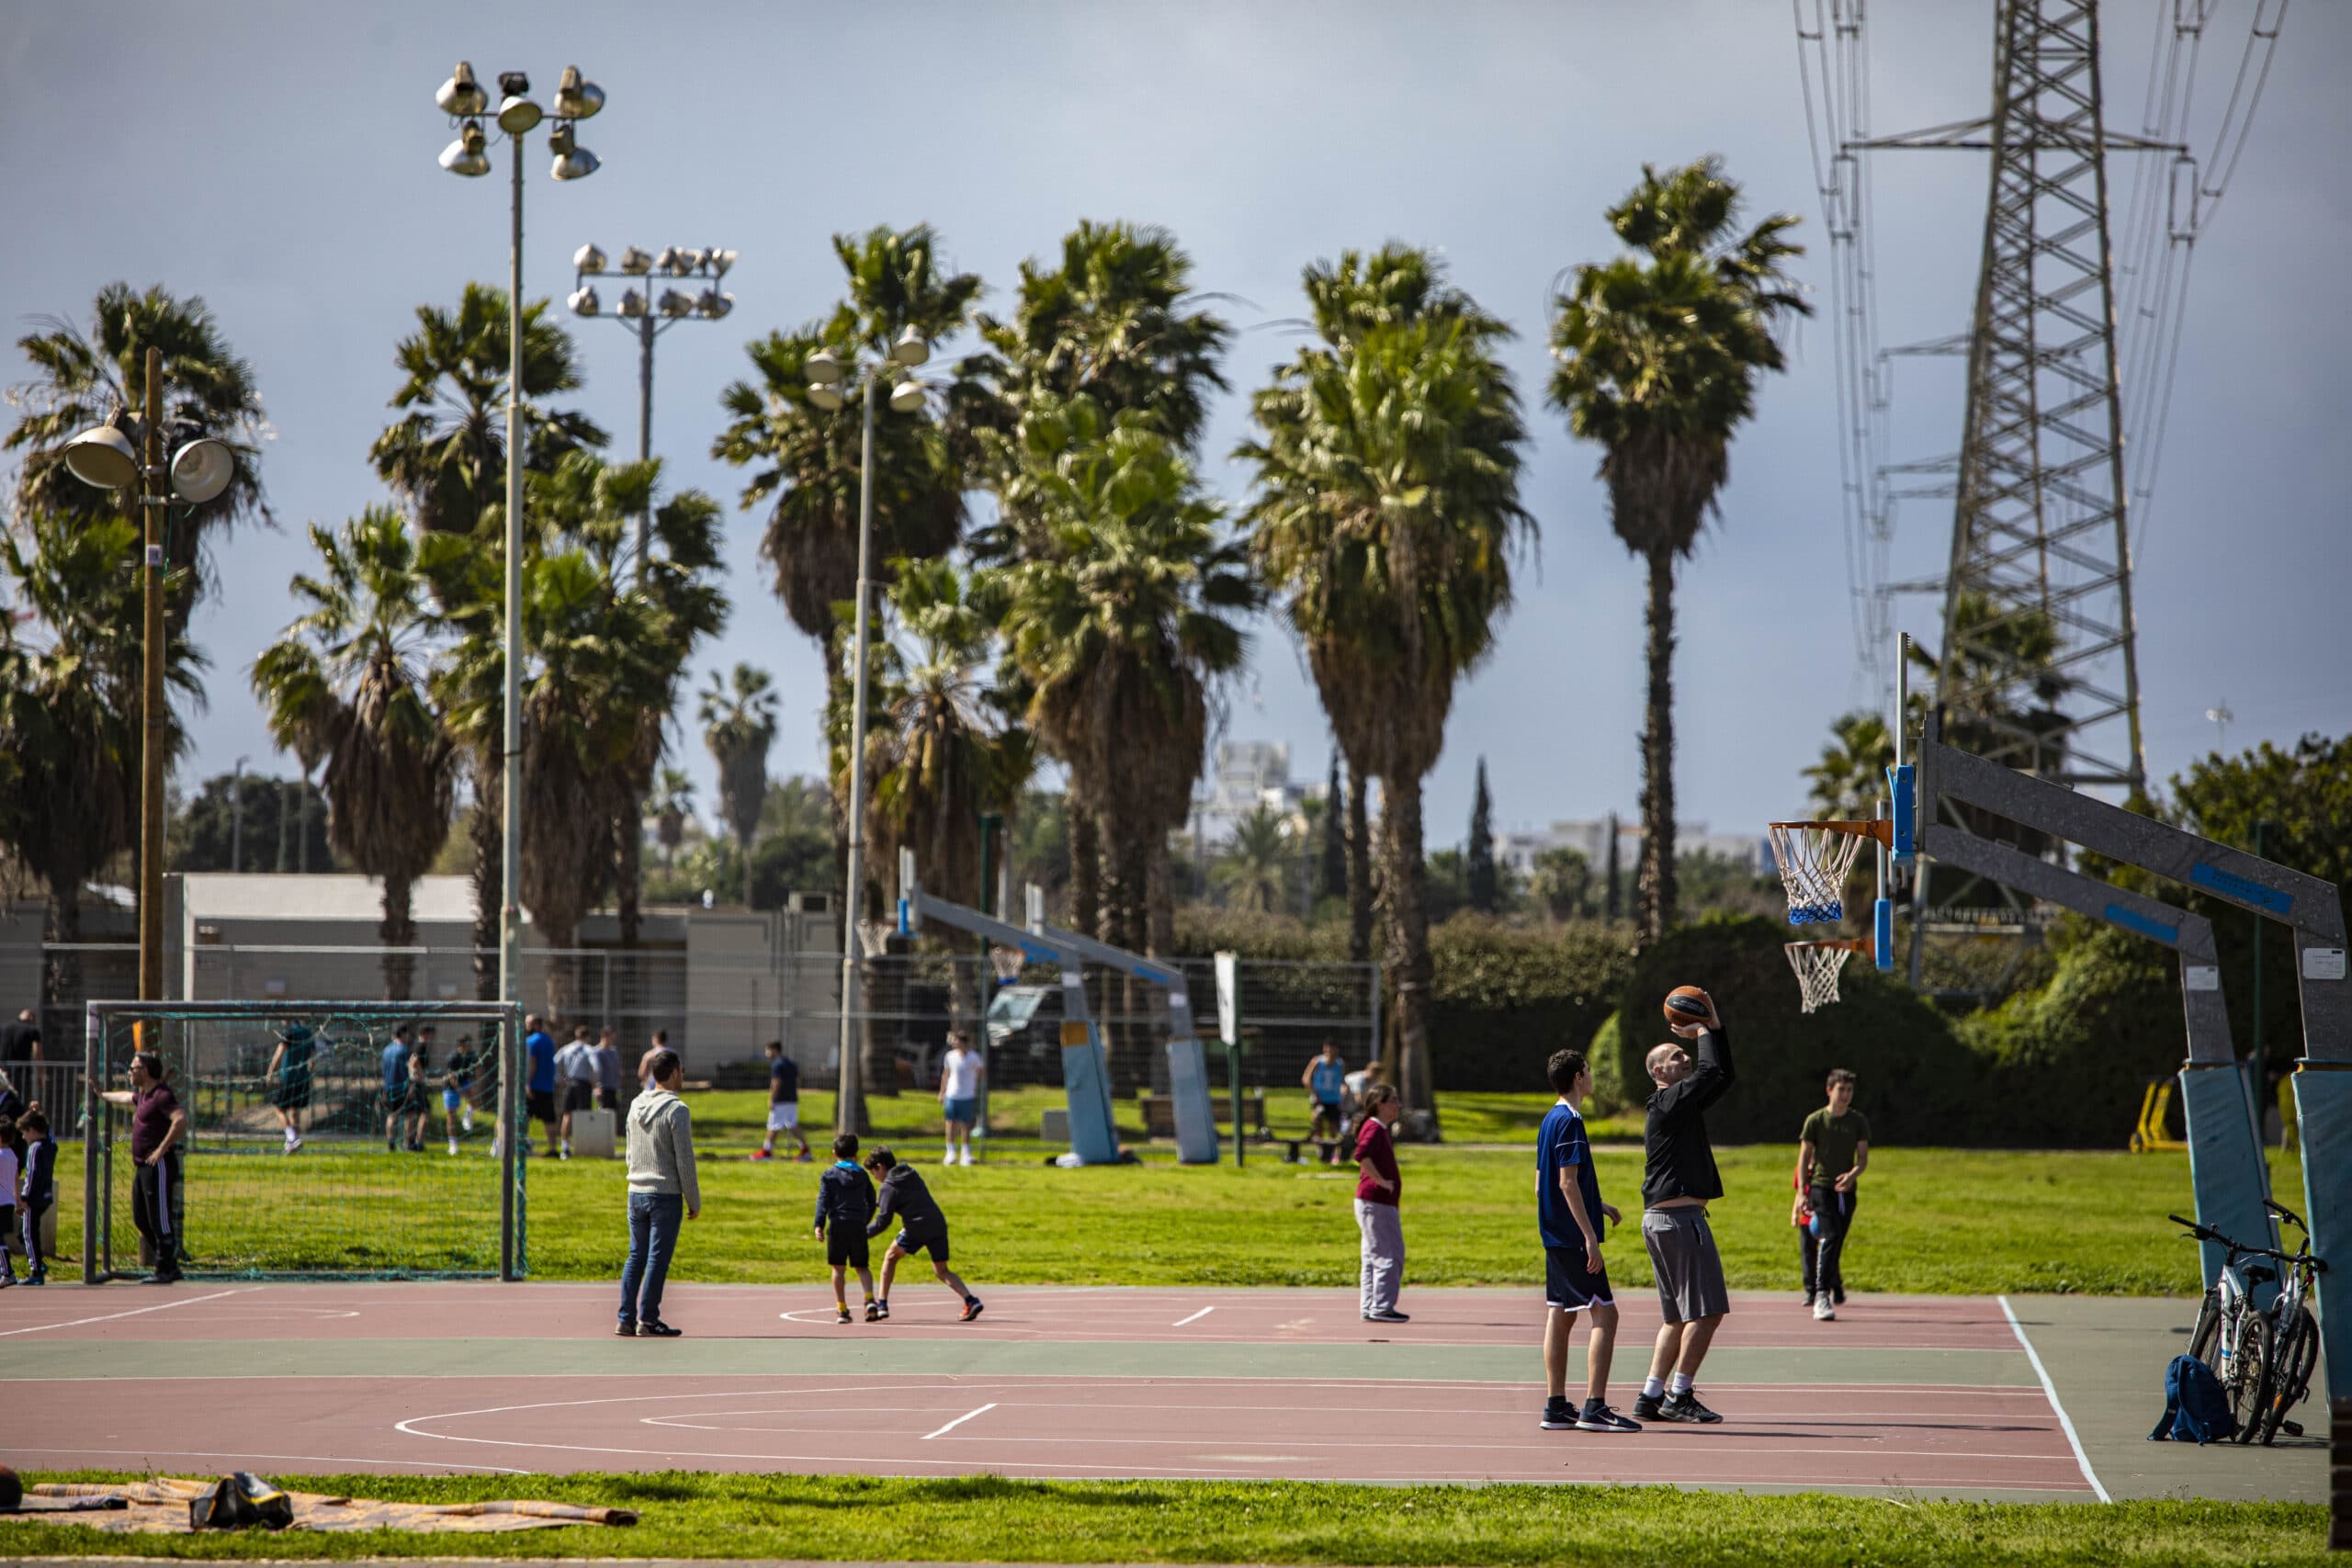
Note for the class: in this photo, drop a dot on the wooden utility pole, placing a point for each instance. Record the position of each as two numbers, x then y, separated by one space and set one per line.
156 742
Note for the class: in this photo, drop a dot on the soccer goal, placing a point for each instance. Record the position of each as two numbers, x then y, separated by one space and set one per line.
313 1148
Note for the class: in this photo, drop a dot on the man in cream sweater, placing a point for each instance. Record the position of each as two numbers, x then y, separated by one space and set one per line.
661 1187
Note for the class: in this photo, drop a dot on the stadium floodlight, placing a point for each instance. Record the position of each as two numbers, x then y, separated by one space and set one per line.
465 155
102 456
461 95
517 114
719 260
572 161
576 97
632 304
668 261
636 263
905 396
826 395
588 258
201 470
584 302
675 304
712 304
911 349
824 368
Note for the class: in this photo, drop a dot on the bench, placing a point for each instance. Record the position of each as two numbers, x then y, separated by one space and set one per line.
1160 1113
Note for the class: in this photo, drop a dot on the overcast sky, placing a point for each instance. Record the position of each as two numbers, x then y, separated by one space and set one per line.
279 160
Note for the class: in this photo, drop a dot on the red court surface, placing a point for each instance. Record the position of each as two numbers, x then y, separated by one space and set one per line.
1928 1395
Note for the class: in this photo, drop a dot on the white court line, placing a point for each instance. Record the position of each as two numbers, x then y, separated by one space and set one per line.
109 1317
302 1459
2051 1389
1194 1318
959 1421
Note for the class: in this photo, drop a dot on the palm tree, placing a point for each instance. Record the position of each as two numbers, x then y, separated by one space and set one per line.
84 379
1850 779
70 709
346 681
739 726
1254 865
674 802
447 453
1387 518
804 460
1659 354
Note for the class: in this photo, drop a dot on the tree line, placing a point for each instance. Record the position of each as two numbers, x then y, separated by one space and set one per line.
1092 612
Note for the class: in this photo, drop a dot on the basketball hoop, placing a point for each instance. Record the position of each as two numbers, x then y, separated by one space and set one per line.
1815 858
1818 964
1007 962
873 937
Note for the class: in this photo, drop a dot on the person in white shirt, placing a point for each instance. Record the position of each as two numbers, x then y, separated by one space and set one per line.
960 1072
575 1074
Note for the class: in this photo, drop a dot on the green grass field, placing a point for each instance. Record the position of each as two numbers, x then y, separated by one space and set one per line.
991 1519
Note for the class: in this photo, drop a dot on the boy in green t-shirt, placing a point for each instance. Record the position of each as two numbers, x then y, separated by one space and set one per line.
1832 1152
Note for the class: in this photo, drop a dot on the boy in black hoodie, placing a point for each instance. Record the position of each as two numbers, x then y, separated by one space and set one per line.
845 1202
920 1227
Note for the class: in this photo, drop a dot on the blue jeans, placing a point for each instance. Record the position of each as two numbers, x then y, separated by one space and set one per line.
653 1221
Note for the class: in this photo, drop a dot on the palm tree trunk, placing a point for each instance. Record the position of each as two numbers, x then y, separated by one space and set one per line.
628 874
1159 941
1085 865
1653 885
1129 860
398 931
1359 868
62 975
745 843
1407 944
488 832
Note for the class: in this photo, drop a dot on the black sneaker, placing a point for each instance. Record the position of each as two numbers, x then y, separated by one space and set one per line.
162 1276
1391 1316
625 1330
873 1314
654 1328
845 1316
1558 1415
881 1312
40 1280
972 1309
1645 1407
1601 1418
1686 1407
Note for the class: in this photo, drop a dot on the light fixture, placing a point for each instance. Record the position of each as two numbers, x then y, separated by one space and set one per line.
576 97
689 260
572 161
588 258
911 348
719 260
103 457
518 115
201 470
822 367
463 156
713 304
905 396
675 304
461 95
636 263
584 302
632 303
668 261
825 395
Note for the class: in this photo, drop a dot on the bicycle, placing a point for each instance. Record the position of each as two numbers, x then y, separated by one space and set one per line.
2234 1336
2294 1334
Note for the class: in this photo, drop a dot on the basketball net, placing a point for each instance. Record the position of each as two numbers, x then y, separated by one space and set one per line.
1007 962
1818 964
1815 858
873 937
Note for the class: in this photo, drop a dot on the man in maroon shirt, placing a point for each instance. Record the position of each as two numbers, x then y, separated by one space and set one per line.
157 1126
1379 1185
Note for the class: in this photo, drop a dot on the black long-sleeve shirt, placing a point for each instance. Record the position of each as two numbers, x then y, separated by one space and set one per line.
905 1196
1677 1160
40 1172
845 1196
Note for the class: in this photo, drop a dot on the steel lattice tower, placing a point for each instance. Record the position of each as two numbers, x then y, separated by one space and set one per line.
2037 659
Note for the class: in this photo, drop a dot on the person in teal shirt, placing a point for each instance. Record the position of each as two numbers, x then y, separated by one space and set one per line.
1325 1080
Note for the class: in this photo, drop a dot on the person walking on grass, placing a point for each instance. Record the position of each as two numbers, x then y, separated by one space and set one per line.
784 1108
921 1228
1325 1080
1379 1184
1678 1180
538 1090
289 1076
1832 1150
662 1188
457 1084
1568 1214
575 1068
395 1062
844 1205
960 1072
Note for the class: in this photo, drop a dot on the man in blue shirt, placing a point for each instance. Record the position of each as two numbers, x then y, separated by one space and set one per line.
1324 1081
1568 1212
539 1093
395 1085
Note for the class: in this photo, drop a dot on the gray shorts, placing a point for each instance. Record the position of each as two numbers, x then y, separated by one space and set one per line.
1689 1270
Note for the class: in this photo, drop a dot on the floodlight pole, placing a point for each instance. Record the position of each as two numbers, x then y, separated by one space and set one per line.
849 1100
156 740
510 828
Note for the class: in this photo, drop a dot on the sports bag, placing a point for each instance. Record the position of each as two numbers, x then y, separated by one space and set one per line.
240 1500
2196 1411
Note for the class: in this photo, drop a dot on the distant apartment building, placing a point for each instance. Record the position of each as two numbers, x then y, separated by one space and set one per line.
1249 774
1518 847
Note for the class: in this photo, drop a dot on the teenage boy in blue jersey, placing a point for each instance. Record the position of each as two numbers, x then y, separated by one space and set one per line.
538 1094
1568 1212
1325 1082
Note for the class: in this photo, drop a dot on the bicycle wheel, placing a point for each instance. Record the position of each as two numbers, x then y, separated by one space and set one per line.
2297 1356
2248 1384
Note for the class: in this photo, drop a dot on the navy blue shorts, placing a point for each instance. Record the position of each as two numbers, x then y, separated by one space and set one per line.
1567 1286
937 1241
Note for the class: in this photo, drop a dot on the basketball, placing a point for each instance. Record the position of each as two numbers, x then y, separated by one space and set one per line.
11 1491
1687 1006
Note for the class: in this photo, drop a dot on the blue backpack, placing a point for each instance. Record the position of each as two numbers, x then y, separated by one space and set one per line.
2196 1411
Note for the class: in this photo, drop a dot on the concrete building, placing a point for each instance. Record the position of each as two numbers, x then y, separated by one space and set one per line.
1249 774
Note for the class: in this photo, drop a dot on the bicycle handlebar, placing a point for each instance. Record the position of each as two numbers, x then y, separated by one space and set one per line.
2286 1214
2239 1249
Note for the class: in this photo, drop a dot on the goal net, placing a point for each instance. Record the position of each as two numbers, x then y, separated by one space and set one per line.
324 1140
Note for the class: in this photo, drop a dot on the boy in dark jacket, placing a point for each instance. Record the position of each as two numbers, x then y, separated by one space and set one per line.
38 1194
922 1228
845 1202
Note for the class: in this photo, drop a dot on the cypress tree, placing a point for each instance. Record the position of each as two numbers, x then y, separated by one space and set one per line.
1616 894
1478 858
1331 876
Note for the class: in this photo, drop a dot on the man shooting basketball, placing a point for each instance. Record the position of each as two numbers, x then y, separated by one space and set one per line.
1678 1179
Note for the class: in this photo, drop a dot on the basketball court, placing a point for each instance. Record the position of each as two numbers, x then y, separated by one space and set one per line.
1903 1396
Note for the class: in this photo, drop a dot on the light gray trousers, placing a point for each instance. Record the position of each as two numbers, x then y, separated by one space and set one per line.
1384 1255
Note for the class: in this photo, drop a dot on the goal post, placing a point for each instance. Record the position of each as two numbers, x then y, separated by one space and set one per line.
315 1147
